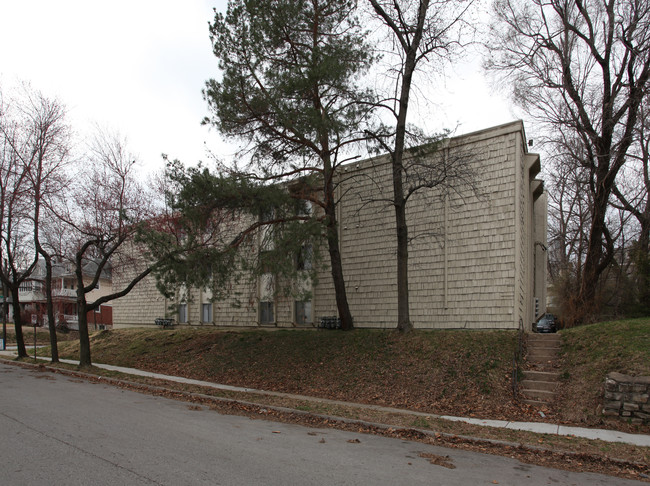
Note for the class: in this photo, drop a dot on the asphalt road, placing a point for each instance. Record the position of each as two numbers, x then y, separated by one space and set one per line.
57 430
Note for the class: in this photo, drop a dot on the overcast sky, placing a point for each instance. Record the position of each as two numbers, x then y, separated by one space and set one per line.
138 67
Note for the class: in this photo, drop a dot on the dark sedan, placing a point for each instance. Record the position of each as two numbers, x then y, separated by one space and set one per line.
545 324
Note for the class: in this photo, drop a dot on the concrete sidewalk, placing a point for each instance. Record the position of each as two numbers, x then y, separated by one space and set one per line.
538 427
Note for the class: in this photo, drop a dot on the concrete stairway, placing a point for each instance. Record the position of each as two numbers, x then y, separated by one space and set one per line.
540 374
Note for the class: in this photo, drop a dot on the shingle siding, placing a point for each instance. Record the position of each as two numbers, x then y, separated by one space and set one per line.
469 262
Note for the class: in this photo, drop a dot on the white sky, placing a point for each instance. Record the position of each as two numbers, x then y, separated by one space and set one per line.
138 67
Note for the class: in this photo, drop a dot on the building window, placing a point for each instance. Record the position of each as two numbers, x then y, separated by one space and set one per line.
266 262
305 257
307 209
266 231
266 313
302 309
182 313
206 313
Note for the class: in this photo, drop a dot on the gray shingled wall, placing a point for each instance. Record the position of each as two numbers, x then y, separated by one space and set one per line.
470 259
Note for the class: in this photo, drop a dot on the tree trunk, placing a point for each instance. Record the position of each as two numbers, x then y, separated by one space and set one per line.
335 257
399 201
84 338
51 322
403 315
18 323
642 262
82 315
595 261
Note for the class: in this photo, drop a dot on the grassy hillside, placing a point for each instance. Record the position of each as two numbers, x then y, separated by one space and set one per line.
589 353
438 371
442 372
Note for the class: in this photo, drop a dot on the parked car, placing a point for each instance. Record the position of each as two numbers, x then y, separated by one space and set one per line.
556 321
546 323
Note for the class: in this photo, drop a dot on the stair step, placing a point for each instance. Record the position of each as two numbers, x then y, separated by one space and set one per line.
542 395
539 385
535 403
534 338
542 366
541 375
543 345
540 359
545 351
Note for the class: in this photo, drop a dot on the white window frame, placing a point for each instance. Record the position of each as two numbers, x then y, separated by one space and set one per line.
300 308
182 313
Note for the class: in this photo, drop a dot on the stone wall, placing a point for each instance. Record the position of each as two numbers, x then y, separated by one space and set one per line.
627 397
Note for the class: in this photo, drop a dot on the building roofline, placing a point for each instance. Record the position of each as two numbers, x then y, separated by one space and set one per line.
510 127
454 141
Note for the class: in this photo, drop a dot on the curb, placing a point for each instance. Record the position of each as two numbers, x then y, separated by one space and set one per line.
268 412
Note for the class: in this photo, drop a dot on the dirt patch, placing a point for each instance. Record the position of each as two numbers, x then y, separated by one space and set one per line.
444 461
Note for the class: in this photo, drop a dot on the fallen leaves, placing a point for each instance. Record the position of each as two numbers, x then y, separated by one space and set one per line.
357 368
444 461
579 461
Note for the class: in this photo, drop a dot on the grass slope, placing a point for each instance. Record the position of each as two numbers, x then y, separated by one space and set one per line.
435 371
589 353
442 372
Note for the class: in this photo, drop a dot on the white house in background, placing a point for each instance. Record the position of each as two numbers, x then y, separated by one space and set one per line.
479 263
64 295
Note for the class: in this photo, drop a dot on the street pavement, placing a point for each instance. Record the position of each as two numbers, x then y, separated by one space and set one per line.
538 427
642 440
61 430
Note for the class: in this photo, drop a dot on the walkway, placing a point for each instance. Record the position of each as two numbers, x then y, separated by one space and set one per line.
537 427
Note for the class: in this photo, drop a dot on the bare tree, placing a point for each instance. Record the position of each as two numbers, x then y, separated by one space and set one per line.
17 251
632 191
34 145
48 179
570 203
423 32
569 213
581 70
106 210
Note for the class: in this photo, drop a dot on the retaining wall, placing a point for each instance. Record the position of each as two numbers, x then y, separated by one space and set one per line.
627 397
